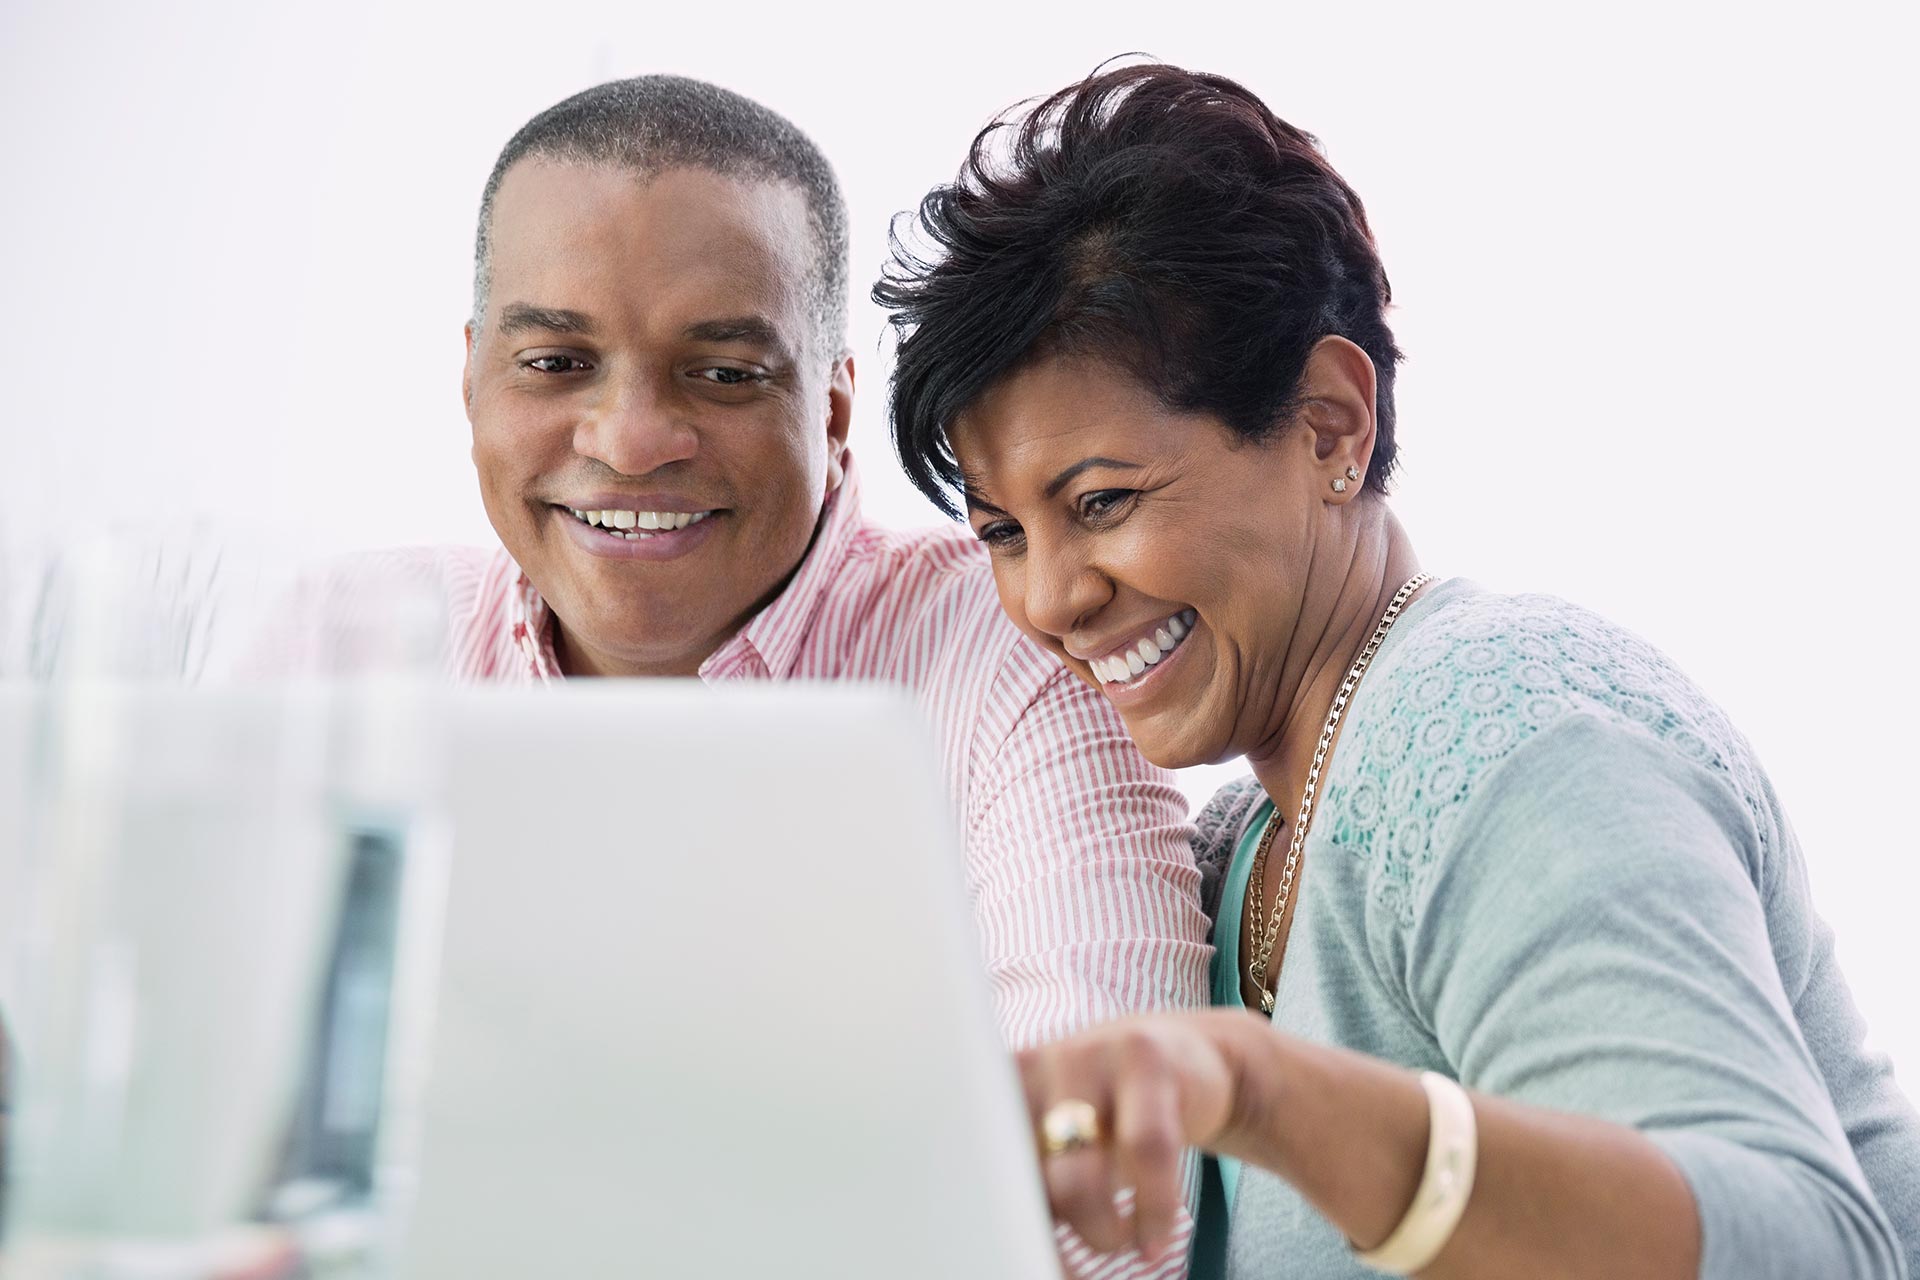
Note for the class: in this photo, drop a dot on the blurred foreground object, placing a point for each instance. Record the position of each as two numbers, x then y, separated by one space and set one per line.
192 866
201 604
403 981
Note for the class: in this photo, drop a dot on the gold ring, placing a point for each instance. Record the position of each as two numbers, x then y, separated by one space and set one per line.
1069 1125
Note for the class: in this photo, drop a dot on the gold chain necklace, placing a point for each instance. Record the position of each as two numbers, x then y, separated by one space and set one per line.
1257 889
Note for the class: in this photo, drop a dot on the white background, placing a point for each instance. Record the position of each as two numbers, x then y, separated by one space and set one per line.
1655 271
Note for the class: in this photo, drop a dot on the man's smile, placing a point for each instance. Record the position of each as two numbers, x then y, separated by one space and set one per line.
638 524
630 533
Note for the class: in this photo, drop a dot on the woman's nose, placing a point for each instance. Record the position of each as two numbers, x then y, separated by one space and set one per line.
1062 589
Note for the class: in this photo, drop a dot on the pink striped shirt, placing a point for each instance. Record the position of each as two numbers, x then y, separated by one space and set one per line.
1078 866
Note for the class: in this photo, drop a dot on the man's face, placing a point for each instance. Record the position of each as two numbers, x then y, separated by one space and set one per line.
649 352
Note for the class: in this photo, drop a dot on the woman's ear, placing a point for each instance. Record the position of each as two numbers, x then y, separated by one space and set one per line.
1336 403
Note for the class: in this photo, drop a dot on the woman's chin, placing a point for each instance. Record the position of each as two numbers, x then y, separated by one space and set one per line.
1164 740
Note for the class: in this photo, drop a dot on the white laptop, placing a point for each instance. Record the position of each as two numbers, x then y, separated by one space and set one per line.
704 999
711 1001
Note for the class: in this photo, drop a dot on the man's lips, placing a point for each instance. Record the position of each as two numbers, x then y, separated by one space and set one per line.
644 533
645 521
636 512
649 500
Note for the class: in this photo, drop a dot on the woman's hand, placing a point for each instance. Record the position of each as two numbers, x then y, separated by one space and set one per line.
1159 1083
1554 1193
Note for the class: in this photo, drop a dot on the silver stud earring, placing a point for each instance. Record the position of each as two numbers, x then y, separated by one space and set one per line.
1353 473
1339 484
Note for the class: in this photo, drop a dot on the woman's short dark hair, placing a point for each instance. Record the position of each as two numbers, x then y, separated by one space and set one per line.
1160 218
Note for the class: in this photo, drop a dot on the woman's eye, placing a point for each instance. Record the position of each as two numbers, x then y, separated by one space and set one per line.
999 533
556 364
1104 502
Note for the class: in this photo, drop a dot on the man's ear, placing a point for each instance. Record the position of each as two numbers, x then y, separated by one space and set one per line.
839 421
1337 390
466 369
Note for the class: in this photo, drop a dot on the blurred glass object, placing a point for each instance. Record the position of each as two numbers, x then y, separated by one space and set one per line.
137 607
203 903
196 603
216 956
335 1132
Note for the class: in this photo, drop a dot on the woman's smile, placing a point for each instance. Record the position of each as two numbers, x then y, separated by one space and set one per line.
1134 656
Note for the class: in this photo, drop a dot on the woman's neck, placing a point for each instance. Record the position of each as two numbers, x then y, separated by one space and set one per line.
1341 607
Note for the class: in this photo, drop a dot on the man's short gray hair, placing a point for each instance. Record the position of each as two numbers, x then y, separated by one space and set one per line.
651 123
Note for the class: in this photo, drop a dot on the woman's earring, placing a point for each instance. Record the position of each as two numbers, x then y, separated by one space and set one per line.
1339 484
1353 473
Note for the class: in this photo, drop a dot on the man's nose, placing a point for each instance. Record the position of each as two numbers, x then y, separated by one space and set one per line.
1063 587
633 427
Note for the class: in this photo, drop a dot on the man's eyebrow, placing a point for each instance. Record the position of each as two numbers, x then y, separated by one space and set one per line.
519 317
1059 482
754 329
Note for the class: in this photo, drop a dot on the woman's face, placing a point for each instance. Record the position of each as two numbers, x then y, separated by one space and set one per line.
1163 558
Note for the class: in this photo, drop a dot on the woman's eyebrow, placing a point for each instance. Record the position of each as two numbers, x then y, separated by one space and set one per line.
1059 482
973 488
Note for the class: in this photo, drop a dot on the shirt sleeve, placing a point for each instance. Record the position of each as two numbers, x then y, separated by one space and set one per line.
366 613
1085 891
1594 941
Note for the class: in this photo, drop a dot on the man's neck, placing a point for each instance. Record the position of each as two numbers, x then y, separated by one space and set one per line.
1338 615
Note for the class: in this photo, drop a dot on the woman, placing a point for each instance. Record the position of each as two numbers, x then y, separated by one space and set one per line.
1495 842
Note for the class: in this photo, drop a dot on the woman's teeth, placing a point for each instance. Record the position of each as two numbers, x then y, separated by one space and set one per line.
633 525
1129 664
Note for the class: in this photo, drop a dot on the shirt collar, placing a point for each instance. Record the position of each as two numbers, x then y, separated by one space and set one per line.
530 623
773 639
768 646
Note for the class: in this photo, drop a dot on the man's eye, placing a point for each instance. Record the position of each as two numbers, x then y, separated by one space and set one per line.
556 364
726 376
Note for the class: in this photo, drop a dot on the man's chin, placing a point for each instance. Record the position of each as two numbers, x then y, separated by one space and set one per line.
629 645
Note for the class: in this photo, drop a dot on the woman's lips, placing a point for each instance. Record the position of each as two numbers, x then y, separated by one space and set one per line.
1131 661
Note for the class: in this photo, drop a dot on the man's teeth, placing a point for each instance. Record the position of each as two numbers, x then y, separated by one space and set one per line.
639 524
1120 667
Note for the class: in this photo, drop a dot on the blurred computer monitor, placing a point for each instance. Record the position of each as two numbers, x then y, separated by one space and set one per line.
710 1000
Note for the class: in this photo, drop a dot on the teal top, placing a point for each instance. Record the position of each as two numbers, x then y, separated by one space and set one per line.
1546 865
1220 1175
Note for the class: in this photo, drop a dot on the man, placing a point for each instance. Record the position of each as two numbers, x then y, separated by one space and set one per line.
660 394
